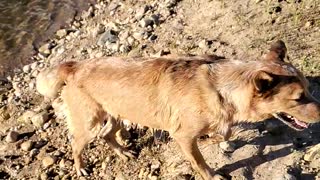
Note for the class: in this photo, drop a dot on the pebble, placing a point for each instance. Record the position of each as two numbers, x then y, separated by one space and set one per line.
12 137
26 146
4 114
155 165
155 18
45 50
152 177
26 68
61 33
227 146
108 36
140 12
124 49
146 22
308 24
48 161
34 65
39 119
33 153
44 176
26 117
152 37
203 44
99 54
120 176
141 173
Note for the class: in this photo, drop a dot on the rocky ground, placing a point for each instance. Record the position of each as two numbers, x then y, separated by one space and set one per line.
33 136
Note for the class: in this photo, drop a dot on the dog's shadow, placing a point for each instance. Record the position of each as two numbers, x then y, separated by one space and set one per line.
283 135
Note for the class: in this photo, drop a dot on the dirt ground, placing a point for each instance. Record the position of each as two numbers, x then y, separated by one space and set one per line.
233 29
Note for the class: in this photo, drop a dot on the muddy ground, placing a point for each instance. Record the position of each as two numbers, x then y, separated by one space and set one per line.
34 139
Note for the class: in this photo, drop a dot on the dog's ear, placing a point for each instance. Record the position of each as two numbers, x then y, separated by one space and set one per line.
277 52
263 82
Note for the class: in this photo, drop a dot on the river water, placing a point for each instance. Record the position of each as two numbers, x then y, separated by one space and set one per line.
25 24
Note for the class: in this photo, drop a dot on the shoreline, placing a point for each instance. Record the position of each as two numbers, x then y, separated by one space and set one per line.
26 25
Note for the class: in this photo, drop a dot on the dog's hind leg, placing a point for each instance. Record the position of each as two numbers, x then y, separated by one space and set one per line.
108 132
78 143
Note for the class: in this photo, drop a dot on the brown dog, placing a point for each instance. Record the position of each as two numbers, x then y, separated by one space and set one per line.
187 96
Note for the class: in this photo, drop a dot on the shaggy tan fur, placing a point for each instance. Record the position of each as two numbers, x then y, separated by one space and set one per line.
187 96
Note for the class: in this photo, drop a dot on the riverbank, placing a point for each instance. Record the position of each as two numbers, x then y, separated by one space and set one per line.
34 139
25 25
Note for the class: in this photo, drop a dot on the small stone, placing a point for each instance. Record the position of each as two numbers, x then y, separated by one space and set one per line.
152 37
65 163
26 68
227 146
45 49
124 35
62 33
146 22
99 29
34 65
103 165
141 173
26 146
12 136
124 49
34 73
99 54
203 44
155 18
77 33
308 24
48 161
120 176
44 176
4 114
26 117
152 177
134 53
155 166
130 40
108 36
138 35
33 153
39 119
140 12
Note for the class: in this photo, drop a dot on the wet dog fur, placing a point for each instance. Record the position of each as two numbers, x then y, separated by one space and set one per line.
186 96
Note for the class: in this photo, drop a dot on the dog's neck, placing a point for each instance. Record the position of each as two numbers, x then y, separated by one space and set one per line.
234 83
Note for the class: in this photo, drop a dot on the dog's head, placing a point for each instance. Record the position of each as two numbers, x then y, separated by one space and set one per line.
282 91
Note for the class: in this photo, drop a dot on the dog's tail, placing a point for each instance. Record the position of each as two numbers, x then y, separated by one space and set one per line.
50 81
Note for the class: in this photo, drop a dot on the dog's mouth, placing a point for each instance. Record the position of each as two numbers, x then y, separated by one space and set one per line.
291 121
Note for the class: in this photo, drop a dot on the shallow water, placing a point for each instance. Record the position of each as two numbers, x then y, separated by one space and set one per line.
25 24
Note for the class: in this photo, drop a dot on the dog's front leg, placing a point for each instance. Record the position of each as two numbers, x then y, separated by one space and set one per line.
190 148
